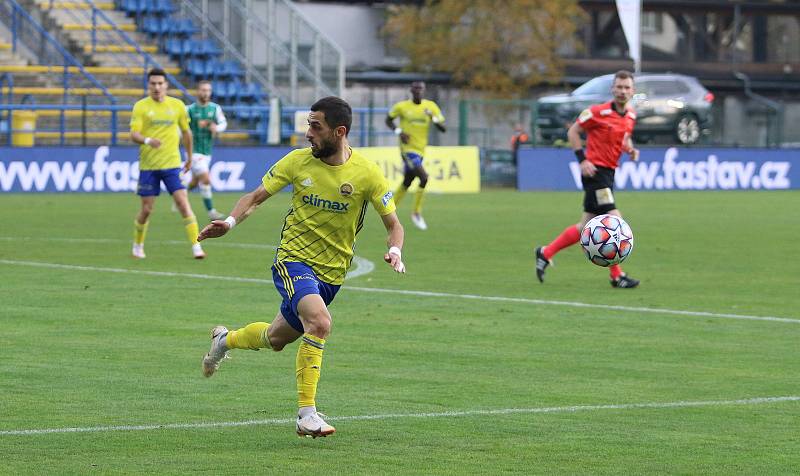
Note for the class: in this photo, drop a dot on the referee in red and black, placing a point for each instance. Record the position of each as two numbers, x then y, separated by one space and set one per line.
608 128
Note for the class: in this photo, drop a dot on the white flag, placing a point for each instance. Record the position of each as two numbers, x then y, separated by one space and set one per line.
630 14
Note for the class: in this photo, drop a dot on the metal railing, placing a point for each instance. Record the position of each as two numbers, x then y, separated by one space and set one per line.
105 32
29 34
299 62
229 51
367 122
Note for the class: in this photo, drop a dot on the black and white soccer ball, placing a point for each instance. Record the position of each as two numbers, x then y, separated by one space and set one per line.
607 240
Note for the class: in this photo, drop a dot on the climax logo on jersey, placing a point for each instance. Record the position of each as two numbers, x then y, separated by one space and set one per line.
331 205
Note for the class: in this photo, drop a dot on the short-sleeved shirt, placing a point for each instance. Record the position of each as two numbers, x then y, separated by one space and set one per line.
606 131
203 139
415 122
329 204
163 121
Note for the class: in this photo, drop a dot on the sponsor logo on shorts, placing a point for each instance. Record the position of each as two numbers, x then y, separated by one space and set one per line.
304 276
388 196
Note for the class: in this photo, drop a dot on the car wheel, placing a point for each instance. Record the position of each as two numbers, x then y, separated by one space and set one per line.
687 129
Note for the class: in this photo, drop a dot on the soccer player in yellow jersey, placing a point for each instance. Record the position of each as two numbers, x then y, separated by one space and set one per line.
158 124
332 187
416 115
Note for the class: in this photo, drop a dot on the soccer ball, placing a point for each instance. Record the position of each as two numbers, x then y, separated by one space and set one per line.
607 240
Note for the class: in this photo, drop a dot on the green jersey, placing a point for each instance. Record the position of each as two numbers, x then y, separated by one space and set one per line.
200 118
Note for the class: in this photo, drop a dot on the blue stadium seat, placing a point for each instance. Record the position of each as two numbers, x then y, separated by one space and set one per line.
232 69
209 70
195 68
163 7
253 92
209 48
130 7
151 26
221 91
174 47
185 27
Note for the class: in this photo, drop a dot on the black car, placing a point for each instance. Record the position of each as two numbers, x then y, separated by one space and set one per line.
666 104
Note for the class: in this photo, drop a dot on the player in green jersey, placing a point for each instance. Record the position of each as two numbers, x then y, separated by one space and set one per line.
207 120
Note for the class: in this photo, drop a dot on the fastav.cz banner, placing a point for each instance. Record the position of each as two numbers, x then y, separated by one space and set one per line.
669 169
233 169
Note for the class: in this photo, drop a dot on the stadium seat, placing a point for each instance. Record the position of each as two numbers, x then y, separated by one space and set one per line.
128 6
185 27
208 49
195 68
174 47
163 7
151 26
232 69
253 92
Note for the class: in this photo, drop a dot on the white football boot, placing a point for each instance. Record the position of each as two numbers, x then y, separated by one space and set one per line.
218 351
197 251
418 221
138 251
314 426
213 214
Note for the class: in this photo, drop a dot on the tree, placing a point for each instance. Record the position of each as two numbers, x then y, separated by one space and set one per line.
503 47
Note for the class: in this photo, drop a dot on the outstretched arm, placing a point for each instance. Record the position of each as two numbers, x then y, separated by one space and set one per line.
630 149
390 124
588 169
243 208
394 241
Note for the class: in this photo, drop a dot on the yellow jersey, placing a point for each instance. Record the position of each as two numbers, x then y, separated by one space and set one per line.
328 208
163 121
415 122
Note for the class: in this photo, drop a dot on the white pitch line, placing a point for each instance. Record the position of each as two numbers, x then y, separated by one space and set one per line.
478 297
386 416
361 266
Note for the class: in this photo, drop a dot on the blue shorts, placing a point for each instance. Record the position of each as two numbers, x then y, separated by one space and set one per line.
150 181
411 161
295 280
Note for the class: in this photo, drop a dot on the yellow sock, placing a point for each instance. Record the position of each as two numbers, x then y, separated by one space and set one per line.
190 224
399 194
252 336
139 231
309 363
418 200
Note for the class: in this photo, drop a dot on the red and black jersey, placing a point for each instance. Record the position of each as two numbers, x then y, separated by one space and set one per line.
606 131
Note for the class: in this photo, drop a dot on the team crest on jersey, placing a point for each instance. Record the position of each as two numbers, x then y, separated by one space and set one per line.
346 189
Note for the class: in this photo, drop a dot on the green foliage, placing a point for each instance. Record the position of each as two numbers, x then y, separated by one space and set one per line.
503 48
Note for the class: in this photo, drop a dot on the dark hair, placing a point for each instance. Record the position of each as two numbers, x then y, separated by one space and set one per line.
156 72
337 112
623 74
202 82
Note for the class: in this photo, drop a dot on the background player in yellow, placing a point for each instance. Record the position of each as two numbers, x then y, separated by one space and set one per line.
416 115
158 124
332 188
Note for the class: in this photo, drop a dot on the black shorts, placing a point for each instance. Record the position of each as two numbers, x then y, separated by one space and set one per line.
598 192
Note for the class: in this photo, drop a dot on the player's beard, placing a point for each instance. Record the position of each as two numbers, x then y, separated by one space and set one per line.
326 148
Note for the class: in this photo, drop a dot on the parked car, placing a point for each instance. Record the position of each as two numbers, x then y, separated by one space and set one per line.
666 104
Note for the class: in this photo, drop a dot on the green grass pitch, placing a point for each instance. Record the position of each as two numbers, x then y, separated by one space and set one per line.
88 347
